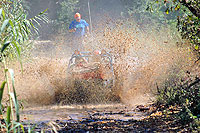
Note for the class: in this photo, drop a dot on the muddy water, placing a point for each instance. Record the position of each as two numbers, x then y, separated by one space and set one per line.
46 114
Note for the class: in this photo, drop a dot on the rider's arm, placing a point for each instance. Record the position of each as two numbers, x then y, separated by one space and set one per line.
72 27
86 25
72 30
87 29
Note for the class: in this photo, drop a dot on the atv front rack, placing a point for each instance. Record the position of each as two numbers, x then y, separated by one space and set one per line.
87 56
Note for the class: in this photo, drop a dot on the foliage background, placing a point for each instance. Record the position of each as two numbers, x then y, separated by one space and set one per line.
61 13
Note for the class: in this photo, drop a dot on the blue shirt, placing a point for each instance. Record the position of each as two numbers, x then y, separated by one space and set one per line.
80 27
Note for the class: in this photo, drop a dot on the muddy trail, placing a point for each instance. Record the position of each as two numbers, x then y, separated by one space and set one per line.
80 118
42 116
100 118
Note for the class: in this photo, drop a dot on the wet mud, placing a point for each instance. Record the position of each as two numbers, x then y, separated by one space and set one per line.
102 118
81 118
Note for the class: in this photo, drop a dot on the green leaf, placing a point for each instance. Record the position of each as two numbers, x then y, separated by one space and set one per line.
16 124
8 117
196 47
5 46
2 126
3 14
167 11
11 23
18 48
43 12
37 17
5 23
1 90
195 117
1 95
14 95
22 128
187 101
19 16
36 21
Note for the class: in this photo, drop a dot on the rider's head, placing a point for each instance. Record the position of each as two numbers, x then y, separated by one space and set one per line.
77 16
97 52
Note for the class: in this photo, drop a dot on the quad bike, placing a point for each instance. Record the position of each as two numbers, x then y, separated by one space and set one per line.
90 73
95 65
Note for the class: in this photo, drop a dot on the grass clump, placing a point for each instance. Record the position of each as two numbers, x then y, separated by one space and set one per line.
15 30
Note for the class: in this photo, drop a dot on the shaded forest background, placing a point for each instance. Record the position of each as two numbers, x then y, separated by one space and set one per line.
178 15
61 12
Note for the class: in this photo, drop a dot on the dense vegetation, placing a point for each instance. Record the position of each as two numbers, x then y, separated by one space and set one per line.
15 30
183 92
186 14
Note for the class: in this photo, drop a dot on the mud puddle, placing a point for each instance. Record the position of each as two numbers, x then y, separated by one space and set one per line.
44 117
78 112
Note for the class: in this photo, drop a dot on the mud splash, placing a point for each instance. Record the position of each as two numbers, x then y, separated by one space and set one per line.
142 60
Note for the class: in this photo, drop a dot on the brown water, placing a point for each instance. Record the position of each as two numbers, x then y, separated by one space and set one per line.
79 112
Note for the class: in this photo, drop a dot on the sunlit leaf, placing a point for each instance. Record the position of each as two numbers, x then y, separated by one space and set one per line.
196 47
11 23
22 128
17 46
187 101
8 117
2 90
167 11
1 95
43 12
5 46
5 23
16 124
3 14
19 16
177 7
14 95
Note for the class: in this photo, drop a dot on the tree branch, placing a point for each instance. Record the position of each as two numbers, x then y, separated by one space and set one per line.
195 11
195 82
